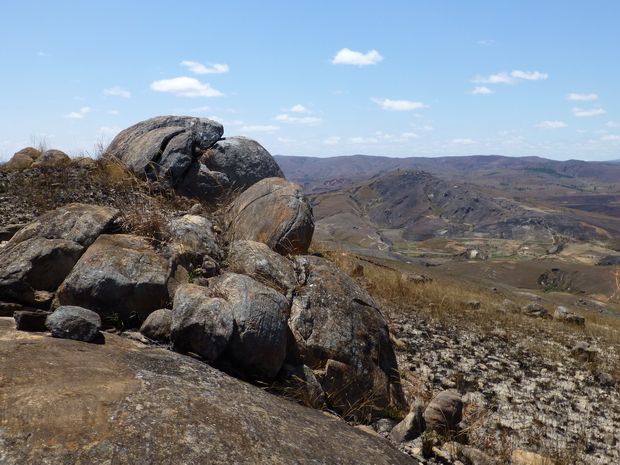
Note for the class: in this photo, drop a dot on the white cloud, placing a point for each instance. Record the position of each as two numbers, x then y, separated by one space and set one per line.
600 131
349 57
361 140
118 91
260 128
614 138
551 125
485 42
309 120
505 78
463 141
199 68
581 97
76 115
185 87
334 140
482 90
398 105
591 112
612 124
297 109
501 78
530 76
410 135
114 112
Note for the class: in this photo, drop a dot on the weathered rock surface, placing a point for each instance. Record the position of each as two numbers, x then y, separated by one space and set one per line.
126 403
36 264
244 161
412 426
76 323
257 260
337 327
22 159
51 159
563 314
31 320
444 412
193 236
259 340
165 146
274 212
158 325
75 222
118 274
201 323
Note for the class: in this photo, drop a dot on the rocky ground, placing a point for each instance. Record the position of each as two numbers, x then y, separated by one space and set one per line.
565 407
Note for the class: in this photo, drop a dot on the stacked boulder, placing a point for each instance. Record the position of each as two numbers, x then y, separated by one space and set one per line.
189 155
261 308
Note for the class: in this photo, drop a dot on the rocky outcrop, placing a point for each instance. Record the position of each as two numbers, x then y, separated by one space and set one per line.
274 212
346 336
189 155
122 402
22 159
51 159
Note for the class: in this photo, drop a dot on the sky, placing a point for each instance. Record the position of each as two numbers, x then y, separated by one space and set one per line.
323 78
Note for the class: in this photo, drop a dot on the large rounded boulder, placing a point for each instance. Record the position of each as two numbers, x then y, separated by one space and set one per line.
119 274
244 161
275 212
189 155
340 333
258 344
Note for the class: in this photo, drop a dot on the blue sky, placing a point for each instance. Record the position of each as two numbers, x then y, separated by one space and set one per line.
321 78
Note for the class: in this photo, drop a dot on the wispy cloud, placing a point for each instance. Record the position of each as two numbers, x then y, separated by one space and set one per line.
185 87
297 109
309 120
485 42
199 68
398 105
410 135
530 76
512 78
118 91
463 141
260 128
613 138
349 57
76 115
612 124
482 90
551 125
581 97
334 140
591 112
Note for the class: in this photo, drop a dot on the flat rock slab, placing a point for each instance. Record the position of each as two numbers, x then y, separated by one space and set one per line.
64 401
